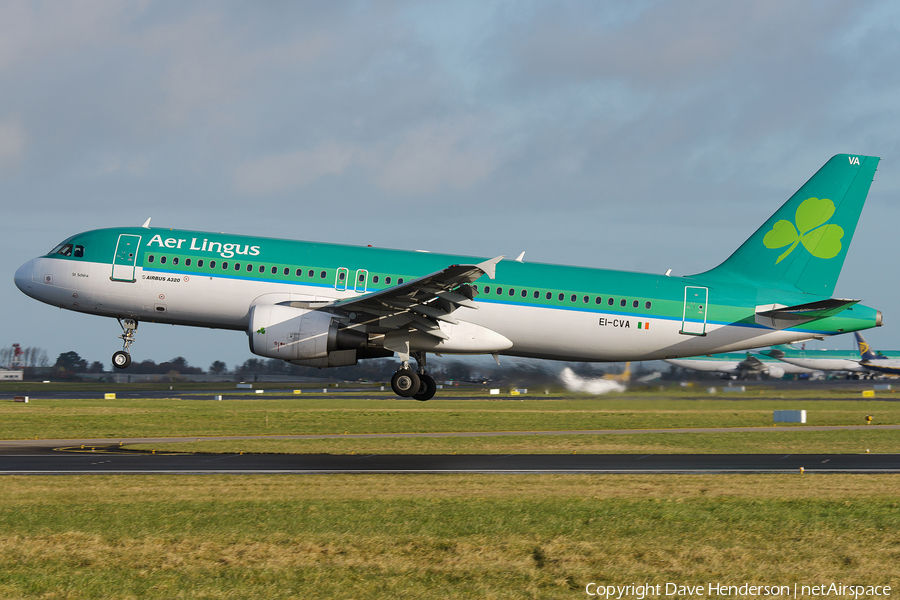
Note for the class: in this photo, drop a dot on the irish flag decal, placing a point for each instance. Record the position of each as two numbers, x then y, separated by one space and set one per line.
643 325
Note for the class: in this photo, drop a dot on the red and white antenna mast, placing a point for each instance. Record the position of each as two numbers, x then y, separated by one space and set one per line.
17 362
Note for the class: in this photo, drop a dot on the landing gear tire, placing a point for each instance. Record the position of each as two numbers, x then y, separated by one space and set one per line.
405 383
427 388
121 360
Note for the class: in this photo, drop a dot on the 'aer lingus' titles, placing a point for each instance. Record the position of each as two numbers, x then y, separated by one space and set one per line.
226 250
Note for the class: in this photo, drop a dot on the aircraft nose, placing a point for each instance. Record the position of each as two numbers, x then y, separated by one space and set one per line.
23 277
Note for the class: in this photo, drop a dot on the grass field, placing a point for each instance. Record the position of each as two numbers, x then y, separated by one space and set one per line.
373 412
117 537
423 536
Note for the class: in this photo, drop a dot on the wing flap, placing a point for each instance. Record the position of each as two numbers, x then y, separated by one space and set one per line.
421 303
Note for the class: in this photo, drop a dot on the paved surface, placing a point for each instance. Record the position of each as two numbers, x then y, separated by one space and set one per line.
104 456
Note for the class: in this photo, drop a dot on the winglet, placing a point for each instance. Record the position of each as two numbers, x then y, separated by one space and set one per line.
146 224
490 266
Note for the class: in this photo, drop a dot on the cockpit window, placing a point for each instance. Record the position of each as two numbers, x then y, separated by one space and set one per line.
67 249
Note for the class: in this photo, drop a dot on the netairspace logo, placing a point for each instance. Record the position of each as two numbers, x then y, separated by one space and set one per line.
636 591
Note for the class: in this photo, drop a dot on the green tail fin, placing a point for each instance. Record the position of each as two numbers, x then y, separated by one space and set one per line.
803 245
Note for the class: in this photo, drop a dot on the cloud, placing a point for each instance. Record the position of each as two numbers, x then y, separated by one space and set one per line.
12 144
432 155
425 159
280 173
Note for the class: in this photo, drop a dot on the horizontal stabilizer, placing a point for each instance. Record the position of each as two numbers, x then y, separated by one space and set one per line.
782 317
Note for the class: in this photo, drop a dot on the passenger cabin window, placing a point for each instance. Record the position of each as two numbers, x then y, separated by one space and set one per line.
187 262
549 295
274 270
287 271
623 302
212 264
647 305
322 274
162 259
298 273
611 302
151 258
199 263
175 260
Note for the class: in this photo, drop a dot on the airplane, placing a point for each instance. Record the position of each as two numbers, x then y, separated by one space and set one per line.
821 360
877 362
328 305
623 377
740 364
831 360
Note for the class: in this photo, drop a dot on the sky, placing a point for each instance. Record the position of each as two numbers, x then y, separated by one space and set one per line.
634 135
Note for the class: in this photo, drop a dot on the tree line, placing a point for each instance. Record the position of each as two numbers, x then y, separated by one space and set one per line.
71 366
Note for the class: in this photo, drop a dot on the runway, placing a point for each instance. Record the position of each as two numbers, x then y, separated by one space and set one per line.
34 457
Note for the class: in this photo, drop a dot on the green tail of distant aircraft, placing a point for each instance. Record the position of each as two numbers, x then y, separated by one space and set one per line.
326 305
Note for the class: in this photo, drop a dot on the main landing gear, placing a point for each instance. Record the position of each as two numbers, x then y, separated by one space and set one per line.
414 384
122 358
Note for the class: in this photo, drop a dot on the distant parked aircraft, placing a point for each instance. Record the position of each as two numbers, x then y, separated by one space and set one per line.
740 364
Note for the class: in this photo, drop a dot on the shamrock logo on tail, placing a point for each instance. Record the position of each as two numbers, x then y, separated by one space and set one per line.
822 241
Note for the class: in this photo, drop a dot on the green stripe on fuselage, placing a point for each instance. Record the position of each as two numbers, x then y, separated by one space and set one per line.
729 303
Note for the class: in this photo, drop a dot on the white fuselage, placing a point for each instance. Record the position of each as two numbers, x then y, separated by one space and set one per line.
224 302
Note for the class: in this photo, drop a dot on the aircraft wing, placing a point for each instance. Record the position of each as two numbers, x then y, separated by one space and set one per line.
751 364
422 302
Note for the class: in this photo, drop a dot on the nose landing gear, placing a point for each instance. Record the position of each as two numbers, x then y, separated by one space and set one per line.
122 358
414 384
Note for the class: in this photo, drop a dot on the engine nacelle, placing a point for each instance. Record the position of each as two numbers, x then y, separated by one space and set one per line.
289 333
776 372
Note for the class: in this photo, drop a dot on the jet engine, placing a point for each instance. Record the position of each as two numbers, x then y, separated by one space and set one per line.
775 372
298 334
